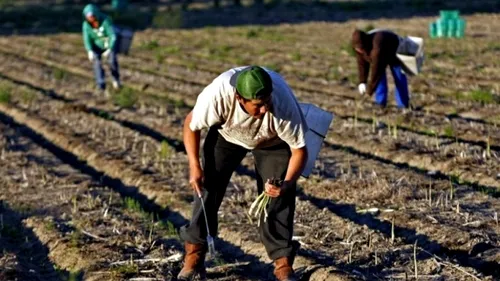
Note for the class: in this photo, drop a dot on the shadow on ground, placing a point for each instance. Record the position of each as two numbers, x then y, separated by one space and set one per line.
408 235
231 253
23 256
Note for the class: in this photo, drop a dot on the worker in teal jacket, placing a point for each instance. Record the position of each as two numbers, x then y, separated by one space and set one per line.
100 40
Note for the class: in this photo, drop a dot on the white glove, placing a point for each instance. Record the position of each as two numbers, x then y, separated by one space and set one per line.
91 56
106 53
362 88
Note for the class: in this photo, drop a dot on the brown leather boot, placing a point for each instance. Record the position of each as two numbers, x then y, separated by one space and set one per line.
194 262
283 269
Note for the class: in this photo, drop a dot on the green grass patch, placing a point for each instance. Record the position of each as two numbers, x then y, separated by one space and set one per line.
150 45
170 50
219 52
242 61
125 270
50 225
273 35
296 56
166 100
445 54
481 96
159 57
191 65
165 151
178 103
59 74
126 97
449 131
5 94
210 29
132 205
253 33
169 228
429 132
268 34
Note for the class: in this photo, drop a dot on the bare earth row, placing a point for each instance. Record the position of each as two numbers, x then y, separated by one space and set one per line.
79 117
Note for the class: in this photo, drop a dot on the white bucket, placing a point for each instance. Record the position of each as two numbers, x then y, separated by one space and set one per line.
318 122
411 54
125 37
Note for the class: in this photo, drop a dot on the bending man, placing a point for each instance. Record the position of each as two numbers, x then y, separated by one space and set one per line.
375 51
245 109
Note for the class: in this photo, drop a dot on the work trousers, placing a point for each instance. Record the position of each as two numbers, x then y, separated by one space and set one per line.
401 93
99 71
220 160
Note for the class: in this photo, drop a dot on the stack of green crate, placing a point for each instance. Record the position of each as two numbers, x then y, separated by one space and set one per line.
449 25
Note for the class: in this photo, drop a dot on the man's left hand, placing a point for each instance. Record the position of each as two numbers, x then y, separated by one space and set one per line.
275 191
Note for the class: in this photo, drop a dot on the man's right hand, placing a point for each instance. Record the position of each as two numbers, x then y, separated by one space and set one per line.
362 88
91 55
196 179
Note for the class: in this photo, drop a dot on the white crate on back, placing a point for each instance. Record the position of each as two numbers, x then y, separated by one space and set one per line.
318 121
411 54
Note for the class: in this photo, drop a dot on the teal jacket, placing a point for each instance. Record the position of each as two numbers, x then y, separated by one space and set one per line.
103 37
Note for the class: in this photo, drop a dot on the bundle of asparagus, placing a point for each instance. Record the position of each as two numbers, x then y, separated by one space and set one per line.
260 204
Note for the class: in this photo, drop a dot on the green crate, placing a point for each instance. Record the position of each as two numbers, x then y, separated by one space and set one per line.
442 28
449 25
460 32
449 14
433 30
